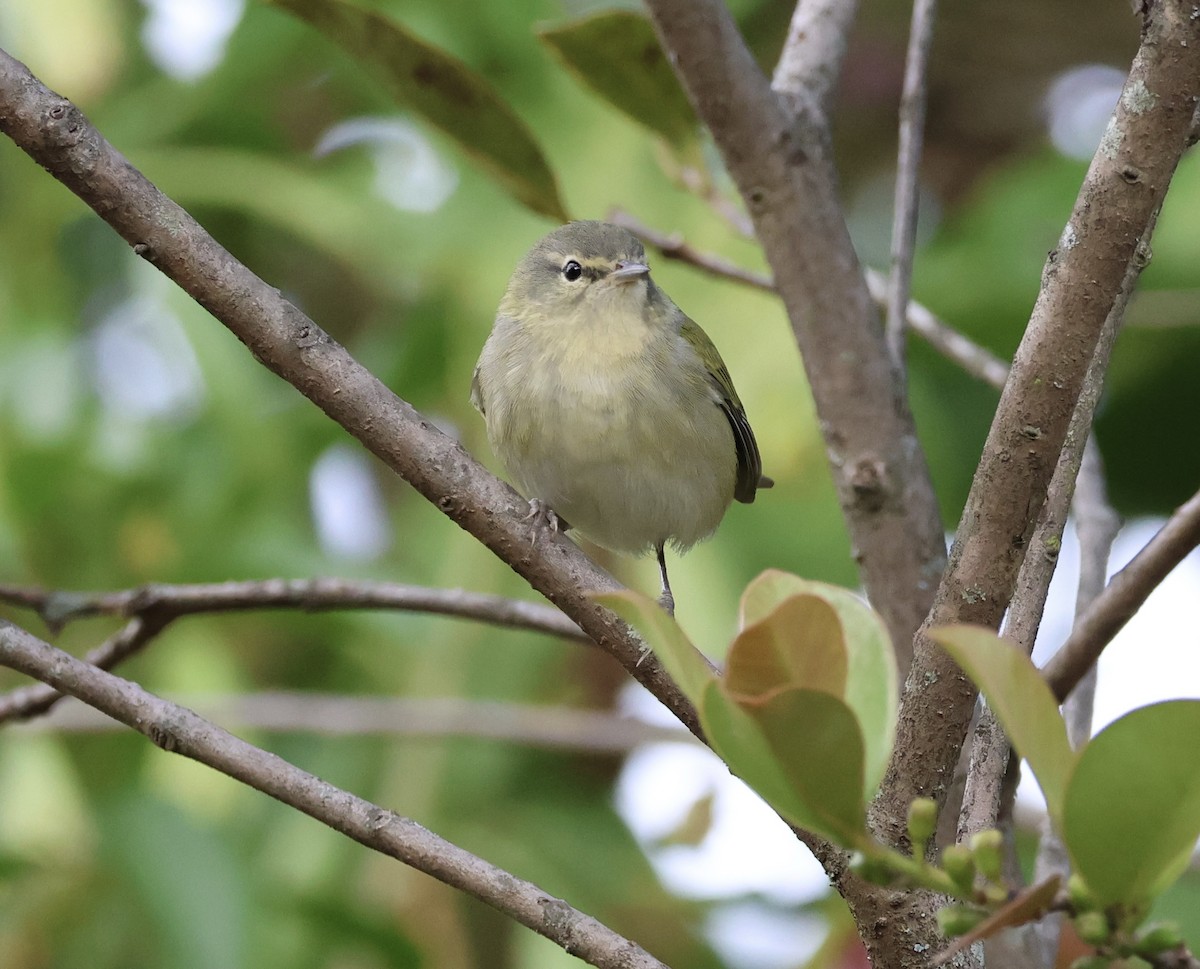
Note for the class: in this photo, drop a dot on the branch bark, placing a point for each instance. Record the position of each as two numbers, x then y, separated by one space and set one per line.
58 137
781 164
1123 190
1122 597
57 607
180 731
811 61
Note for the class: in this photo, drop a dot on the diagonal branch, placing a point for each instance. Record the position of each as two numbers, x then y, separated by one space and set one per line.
1123 596
1120 196
180 731
56 134
977 361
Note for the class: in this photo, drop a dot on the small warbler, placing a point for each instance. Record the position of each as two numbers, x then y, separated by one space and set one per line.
608 405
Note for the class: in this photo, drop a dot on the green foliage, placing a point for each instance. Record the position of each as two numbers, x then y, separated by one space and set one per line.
1136 784
1022 703
617 55
796 714
445 92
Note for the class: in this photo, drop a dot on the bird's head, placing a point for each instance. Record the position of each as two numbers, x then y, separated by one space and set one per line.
582 266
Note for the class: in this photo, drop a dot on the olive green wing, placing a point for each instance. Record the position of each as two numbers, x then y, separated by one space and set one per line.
749 462
476 393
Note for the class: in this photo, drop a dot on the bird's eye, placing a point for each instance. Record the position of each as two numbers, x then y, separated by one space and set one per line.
571 270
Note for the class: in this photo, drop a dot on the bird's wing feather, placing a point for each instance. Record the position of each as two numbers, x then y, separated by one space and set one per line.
749 461
476 393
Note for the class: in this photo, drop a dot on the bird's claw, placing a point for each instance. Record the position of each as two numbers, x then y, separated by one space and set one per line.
542 519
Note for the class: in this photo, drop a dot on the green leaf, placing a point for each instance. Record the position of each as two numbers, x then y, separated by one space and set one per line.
871 690
801 750
617 55
1132 808
684 663
444 91
799 643
1021 701
768 590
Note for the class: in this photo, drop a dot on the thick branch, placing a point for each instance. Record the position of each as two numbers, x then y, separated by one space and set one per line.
811 61
1123 190
180 731
782 167
1123 597
56 135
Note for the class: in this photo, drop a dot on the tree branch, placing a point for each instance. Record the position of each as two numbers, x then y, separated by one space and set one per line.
811 61
57 607
908 173
180 731
1123 597
31 701
1096 524
55 134
974 359
551 728
1123 190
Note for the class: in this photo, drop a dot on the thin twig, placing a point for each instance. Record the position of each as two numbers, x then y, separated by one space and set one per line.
154 606
674 246
551 728
311 595
972 358
908 172
179 730
36 699
1123 596
1096 524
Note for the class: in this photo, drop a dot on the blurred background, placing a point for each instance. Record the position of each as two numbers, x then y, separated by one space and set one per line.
139 442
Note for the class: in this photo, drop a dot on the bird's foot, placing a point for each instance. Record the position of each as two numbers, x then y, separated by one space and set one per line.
541 518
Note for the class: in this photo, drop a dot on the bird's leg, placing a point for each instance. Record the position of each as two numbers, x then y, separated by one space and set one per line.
666 599
542 517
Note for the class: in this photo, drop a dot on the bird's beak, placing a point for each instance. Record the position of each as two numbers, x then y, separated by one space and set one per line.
629 270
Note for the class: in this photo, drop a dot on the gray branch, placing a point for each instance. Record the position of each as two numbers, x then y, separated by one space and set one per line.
1083 279
180 731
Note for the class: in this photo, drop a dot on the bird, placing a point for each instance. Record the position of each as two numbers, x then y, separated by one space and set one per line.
609 407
